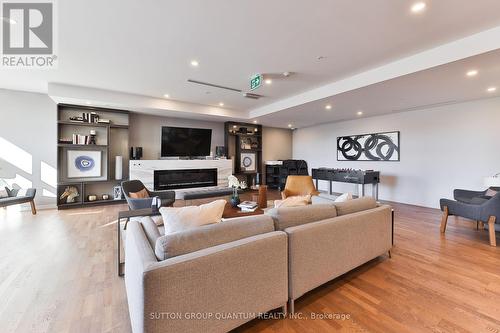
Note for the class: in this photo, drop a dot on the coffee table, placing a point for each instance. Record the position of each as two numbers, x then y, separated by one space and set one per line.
231 212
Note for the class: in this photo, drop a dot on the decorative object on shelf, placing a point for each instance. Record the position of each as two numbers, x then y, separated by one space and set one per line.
492 181
243 185
92 138
135 153
243 130
84 163
92 197
254 145
246 143
70 194
234 183
117 192
248 162
257 179
220 151
118 167
369 147
105 197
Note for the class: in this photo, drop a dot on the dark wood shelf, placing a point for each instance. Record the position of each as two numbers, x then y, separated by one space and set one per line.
118 126
70 145
77 123
91 203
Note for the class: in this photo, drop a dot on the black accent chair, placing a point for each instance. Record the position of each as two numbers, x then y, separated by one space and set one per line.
474 205
167 197
13 199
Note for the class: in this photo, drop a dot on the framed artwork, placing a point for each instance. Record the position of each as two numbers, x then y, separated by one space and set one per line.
247 162
369 147
84 163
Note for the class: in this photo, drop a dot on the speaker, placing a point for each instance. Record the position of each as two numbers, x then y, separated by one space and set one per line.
135 153
220 151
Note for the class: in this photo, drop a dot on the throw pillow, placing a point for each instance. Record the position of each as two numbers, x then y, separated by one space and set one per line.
344 197
21 193
189 217
490 192
4 194
299 200
139 195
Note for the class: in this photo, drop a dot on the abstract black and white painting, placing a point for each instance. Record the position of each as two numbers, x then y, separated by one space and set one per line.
369 147
84 163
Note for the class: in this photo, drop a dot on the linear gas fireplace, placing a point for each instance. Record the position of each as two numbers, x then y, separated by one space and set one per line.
185 178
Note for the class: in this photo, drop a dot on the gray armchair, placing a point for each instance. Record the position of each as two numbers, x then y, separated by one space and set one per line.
14 199
474 205
167 197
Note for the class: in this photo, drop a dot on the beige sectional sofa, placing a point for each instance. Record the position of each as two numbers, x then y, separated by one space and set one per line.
328 240
216 277
210 279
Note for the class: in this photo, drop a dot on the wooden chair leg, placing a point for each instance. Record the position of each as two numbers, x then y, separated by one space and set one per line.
491 229
33 208
481 225
444 219
390 254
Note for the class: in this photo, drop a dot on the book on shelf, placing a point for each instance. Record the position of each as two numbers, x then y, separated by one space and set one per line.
79 139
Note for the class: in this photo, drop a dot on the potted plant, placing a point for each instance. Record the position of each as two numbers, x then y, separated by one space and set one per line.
234 183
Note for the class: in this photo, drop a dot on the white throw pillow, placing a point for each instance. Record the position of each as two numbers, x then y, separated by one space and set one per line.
184 218
4 194
21 193
344 197
299 200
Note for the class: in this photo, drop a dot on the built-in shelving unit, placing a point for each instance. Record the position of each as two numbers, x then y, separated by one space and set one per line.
111 140
243 143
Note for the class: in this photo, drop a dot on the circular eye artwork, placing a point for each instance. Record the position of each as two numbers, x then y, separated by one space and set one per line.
84 163
247 161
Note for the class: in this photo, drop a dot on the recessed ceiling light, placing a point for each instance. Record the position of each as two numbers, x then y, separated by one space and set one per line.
268 81
290 125
418 7
359 113
88 103
328 107
472 73
9 20
221 104
195 63
255 121
492 89
166 96
234 126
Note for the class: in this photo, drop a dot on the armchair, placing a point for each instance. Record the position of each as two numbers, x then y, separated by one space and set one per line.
474 205
167 197
299 185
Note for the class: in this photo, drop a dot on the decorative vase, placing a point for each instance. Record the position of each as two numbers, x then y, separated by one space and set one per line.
118 167
235 201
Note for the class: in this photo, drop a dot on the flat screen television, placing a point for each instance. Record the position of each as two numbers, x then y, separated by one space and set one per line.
182 142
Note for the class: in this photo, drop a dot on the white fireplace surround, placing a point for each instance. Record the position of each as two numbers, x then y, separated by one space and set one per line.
143 170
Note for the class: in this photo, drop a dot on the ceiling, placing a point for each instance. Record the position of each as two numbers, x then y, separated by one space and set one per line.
145 48
445 84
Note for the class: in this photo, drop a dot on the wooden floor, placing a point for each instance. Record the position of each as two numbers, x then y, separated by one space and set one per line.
58 274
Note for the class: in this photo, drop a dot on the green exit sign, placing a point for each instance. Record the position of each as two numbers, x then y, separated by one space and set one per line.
255 81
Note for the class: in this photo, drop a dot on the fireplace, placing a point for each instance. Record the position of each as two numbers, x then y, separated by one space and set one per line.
185 178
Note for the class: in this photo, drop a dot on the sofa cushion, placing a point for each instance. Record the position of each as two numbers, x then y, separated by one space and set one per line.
344 197
4 193
150 230
355 205
183 218
491 192
299 200
182 242
286 217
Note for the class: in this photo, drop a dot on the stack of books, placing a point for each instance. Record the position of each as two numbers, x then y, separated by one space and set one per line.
248 206
81 139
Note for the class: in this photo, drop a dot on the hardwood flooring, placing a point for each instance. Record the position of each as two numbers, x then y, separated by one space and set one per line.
58 274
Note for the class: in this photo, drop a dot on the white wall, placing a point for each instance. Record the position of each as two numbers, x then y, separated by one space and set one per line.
145 132
28 143
443 148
